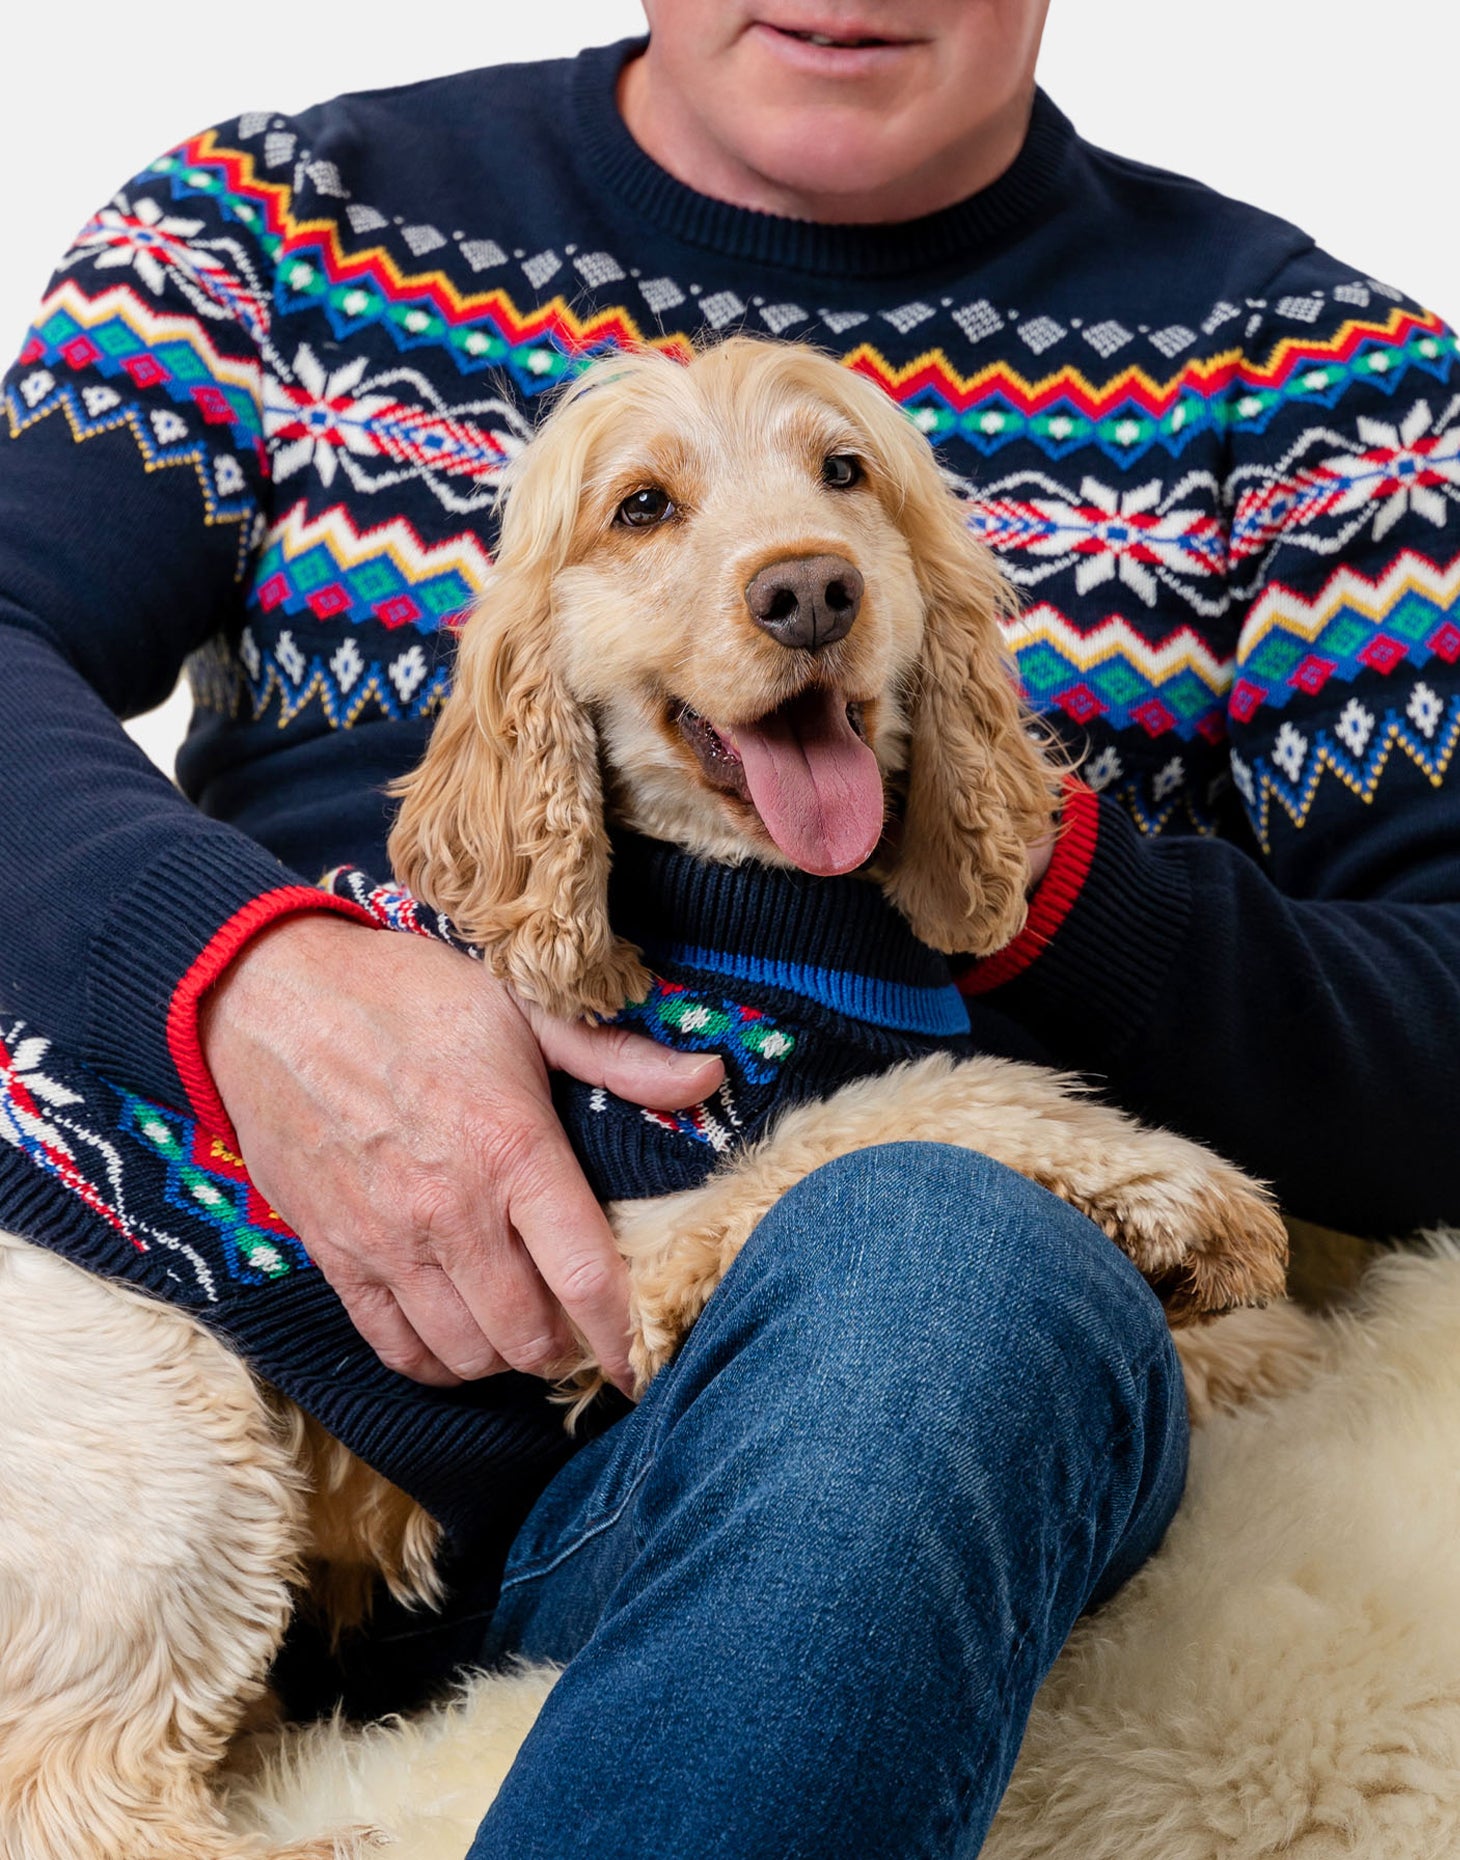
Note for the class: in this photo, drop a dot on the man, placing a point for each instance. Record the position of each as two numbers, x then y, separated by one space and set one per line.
808 1588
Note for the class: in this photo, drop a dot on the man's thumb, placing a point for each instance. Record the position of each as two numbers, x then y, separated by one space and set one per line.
630 1065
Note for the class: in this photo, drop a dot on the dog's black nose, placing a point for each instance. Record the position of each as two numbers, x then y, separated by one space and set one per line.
807 601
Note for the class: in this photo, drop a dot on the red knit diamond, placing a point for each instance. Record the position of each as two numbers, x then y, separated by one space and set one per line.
1445 640
212 403
145 370
325 602
1246 697
1080 702
1312 675
399 610
80 351
1154 717
1382 653
1211 726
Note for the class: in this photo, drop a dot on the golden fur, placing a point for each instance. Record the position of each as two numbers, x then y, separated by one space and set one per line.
1280 1682
162 1508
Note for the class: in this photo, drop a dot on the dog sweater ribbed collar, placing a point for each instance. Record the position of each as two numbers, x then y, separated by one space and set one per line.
833 943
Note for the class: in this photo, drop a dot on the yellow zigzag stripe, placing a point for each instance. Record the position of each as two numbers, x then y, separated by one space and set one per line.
1114 638
1282 611
296 533
152 328
1432 766
375 689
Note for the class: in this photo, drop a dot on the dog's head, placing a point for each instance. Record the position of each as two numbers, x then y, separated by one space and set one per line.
735 597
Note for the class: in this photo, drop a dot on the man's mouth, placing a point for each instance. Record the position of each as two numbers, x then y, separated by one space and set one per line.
850 39
807 770
825 38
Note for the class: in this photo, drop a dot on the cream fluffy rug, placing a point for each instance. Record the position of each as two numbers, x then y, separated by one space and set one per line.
1282 1679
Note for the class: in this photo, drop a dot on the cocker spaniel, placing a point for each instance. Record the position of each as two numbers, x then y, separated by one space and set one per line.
736 608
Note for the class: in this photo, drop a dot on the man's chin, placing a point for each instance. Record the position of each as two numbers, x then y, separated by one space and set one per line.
842 163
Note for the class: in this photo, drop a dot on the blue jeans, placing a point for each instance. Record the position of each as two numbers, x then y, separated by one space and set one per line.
806 1592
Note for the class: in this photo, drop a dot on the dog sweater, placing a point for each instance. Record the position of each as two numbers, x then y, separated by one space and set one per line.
801 984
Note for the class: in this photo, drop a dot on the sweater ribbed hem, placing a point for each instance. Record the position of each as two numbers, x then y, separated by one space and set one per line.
1095 983
154 934
954 234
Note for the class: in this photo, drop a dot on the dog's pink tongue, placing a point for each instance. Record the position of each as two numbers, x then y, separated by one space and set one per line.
814 782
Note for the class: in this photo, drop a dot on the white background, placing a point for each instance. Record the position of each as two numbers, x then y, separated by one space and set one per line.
1337 114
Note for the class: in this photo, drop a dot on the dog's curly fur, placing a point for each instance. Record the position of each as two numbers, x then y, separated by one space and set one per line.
161 1506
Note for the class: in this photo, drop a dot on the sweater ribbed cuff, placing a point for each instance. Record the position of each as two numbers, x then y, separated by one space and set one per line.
1054 896
167 940
1101 961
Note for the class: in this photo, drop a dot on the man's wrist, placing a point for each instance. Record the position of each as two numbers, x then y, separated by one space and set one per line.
194 1015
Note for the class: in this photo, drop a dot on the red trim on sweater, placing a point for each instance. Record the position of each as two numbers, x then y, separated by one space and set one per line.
1054 897
226 943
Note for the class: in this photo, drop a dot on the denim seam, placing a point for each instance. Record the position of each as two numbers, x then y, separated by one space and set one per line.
544 1566
963 1784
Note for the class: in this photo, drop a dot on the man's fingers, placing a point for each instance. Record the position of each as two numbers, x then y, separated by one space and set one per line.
564 1229
629 1064
441 1318
378 1317
506 1294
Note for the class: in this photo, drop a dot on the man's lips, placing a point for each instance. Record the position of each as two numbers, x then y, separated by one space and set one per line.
827 46
813 36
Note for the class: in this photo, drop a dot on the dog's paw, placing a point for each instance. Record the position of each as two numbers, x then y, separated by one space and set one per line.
1207 1237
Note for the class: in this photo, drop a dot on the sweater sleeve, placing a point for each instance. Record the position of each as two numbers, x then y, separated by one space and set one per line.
133 476
1291 992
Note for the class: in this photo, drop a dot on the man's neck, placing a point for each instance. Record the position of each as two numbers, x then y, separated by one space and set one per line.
663 123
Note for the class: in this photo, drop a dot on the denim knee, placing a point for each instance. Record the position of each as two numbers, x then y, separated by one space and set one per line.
922 1280
932 1248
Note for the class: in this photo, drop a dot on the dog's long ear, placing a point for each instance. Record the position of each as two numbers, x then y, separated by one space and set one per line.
979 792
501 825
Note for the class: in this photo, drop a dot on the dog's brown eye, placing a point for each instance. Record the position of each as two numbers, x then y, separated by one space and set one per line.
841 470
643 508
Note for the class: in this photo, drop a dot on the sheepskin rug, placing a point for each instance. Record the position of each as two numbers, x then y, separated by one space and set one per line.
1282 1679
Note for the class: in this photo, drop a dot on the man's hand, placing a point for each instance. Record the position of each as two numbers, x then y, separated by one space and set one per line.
391 1101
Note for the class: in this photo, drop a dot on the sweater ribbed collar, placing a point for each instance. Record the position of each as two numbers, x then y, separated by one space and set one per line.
738 918
954 234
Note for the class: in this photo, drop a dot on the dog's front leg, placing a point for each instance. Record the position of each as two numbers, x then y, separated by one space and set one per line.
1205 1235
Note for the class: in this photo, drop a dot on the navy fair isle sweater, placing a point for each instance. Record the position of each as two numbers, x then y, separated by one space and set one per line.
256 430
